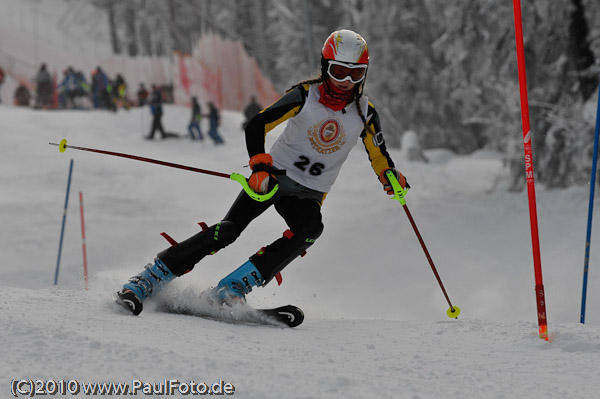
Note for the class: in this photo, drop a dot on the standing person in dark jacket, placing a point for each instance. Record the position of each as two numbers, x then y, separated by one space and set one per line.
157 112
66 89
100 88
194 125
142 95
43 81
251 110
214 121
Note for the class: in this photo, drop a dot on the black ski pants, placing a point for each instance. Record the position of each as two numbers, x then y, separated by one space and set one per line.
157 125
299 206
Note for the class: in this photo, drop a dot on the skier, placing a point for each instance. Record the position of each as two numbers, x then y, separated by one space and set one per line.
157 112
326 117
214 120
194 125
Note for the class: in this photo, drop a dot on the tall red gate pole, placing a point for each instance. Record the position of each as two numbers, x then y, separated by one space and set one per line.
537 263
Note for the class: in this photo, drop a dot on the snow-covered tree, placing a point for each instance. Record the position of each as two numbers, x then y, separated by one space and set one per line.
445 70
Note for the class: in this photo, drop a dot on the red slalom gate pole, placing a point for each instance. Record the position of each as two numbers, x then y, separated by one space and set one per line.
537 263
85 268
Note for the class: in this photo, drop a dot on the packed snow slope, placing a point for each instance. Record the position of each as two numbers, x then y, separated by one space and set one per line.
376 324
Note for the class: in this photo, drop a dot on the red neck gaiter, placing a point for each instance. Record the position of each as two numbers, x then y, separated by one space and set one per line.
334 98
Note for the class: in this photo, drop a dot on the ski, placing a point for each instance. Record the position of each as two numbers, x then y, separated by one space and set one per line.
129 301
288 315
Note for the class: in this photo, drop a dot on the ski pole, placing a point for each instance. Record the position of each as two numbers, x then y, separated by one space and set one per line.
399 194
62 147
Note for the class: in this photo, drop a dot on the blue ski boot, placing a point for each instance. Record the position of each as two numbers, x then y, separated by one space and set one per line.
140 287
232 289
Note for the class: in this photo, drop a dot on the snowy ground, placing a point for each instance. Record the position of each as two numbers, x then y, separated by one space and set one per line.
376 324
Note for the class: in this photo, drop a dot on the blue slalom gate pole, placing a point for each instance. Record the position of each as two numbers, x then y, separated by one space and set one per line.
64 219
590 214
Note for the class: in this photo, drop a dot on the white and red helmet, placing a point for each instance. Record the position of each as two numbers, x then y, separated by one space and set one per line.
345 56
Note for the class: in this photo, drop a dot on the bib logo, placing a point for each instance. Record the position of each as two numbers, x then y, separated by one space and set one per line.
327 137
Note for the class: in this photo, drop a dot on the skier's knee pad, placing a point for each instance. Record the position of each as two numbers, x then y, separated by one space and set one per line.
182 258
305 235
225 232
276 256
311 231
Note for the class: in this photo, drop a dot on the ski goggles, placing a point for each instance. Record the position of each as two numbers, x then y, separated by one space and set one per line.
341 71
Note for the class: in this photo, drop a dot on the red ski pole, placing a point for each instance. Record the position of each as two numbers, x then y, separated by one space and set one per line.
399 195
62 147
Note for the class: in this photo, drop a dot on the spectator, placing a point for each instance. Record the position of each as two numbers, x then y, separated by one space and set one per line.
67 89
251 110
22 96
157 112
111 95
194 125
120 92
94 91
142 95
100 95
43 82
82 89
214 122
1 81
